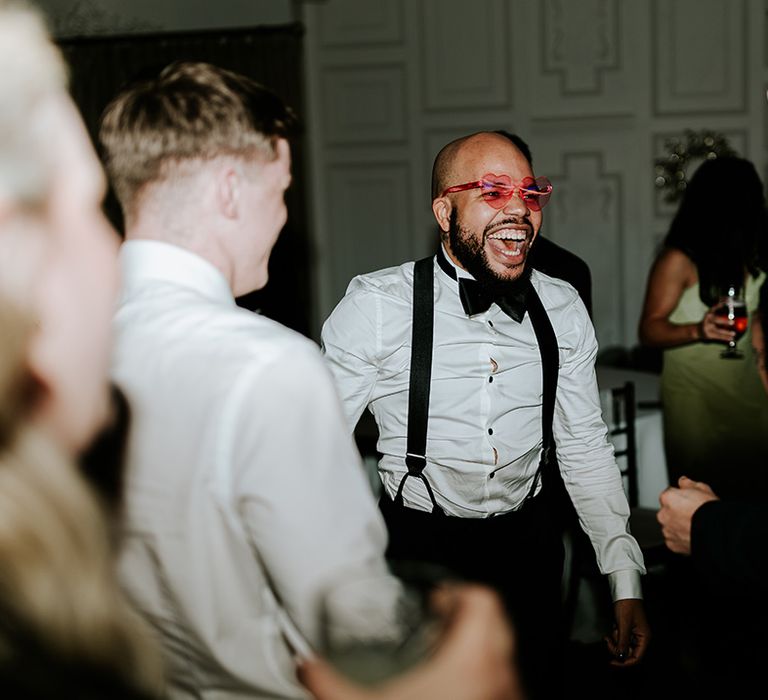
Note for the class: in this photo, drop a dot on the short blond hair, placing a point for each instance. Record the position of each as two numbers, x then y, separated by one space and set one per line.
189 111
32 70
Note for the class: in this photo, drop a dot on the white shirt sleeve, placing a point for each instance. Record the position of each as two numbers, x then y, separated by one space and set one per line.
351 341
588 465
301 490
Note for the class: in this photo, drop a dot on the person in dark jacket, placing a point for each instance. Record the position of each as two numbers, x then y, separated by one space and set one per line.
550 258
727 584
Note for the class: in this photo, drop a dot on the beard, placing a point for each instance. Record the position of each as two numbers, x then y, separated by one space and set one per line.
470 253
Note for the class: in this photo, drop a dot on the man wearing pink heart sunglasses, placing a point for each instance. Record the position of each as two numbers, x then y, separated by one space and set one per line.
480 373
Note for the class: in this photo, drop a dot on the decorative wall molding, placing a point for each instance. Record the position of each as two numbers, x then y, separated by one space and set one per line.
74 18
369 222
580 52
582 60
589 202
701 50
364 104
351 23
466 54
89 18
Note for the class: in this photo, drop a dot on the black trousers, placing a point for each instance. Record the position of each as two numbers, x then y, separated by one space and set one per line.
520 554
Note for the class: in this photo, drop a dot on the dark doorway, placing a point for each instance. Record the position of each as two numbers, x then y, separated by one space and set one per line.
100 66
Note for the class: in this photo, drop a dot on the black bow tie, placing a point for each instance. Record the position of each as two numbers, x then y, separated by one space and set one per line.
475 299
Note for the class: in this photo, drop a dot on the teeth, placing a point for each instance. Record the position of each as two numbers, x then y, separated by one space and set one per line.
509 235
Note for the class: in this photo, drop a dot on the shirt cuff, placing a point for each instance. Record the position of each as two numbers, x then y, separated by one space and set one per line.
625 584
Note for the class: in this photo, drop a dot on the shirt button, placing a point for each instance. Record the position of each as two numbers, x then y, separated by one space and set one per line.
490 323
490 380
490 431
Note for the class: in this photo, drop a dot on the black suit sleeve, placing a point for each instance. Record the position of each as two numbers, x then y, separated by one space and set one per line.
555 261
729 546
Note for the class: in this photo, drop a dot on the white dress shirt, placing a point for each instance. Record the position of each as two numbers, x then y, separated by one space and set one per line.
243 482
484 438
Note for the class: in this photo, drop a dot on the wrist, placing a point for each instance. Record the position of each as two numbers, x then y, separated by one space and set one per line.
698 331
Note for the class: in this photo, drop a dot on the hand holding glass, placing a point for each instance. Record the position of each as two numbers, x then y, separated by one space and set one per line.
369 642
731 313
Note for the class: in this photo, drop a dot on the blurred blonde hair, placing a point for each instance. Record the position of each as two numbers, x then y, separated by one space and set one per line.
57 575
57 578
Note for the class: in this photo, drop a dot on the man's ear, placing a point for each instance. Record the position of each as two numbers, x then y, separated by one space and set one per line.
442 208
228 191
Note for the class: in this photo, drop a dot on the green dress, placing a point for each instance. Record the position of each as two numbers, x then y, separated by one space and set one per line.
715 409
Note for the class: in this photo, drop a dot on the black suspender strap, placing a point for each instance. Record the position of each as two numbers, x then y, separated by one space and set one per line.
422 330
420 376
550 361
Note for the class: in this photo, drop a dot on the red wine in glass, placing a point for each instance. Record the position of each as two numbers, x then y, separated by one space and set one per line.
740 321
732 313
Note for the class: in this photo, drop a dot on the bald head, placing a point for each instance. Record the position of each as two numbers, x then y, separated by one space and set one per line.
452 162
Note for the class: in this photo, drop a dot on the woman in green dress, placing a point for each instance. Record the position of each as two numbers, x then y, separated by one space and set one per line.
715 408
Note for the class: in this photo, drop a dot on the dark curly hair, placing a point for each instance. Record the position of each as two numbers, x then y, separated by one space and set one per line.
722 244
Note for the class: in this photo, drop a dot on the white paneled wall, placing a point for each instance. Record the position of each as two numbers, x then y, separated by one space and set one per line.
93 17
594 86
709 74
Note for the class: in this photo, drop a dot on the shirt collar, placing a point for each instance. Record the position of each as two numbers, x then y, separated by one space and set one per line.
144 260
460 271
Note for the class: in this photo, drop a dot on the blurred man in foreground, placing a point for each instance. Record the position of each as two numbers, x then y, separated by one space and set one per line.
726 583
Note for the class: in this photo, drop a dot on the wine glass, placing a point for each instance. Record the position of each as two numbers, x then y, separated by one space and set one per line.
372 630
731 312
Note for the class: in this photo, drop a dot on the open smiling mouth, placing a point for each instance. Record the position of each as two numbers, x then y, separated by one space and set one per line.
509 243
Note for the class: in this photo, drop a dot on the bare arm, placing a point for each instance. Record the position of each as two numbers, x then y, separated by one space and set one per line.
758 344
671 274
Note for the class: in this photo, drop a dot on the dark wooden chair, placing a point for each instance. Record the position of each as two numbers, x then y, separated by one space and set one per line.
642 520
